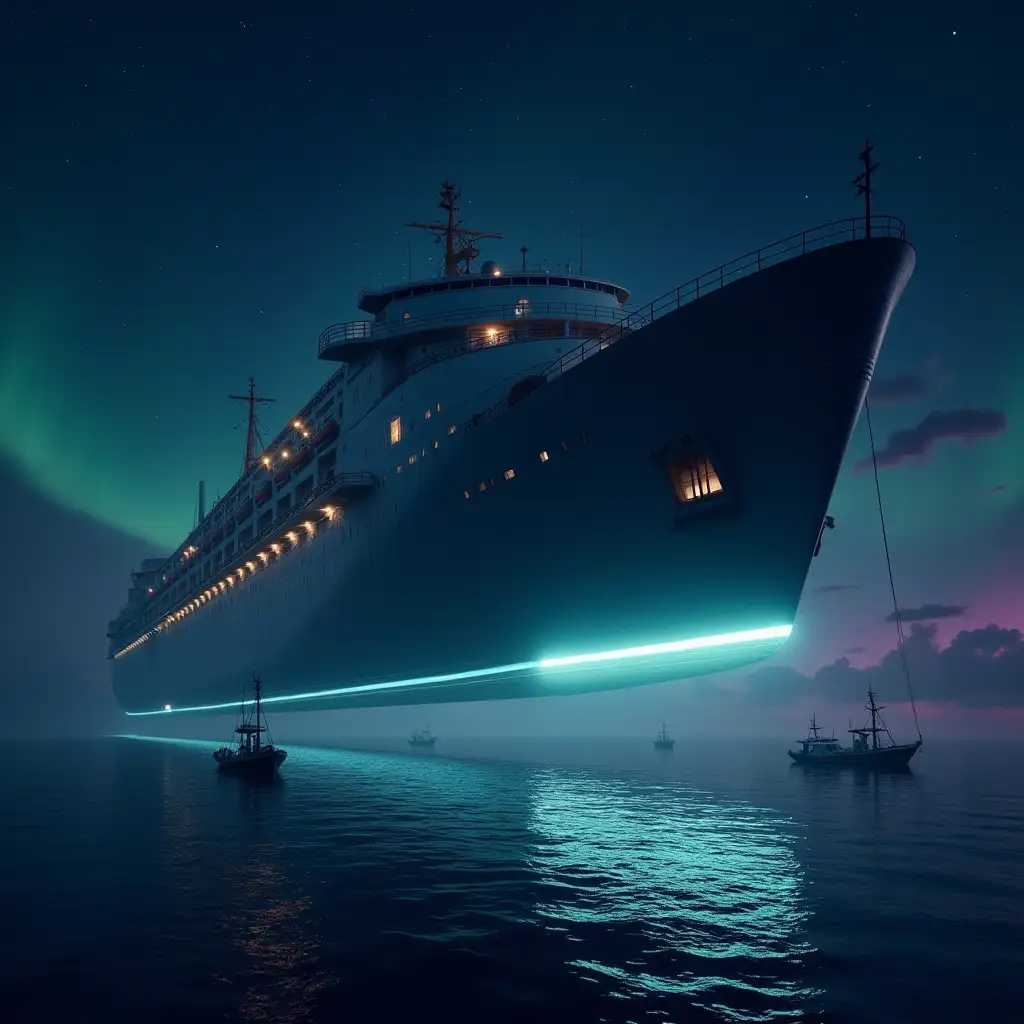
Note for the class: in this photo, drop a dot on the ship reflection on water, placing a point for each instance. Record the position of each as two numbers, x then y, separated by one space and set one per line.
707 892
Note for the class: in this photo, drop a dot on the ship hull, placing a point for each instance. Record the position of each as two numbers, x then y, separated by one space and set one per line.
883 759
421 594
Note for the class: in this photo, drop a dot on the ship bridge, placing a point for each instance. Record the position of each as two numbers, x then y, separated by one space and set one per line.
484 309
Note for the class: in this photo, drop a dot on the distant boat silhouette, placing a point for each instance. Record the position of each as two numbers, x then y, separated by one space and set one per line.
422 738
663 741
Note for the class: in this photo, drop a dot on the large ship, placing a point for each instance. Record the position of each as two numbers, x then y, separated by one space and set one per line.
516 484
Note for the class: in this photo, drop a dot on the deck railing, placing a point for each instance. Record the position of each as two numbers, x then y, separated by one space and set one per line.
834 233
510 312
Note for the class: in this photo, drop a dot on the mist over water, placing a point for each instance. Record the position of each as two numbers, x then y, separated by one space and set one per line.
511 880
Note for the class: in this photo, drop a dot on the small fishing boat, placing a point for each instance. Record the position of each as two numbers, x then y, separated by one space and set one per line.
422 738
663 741
826 751
252 757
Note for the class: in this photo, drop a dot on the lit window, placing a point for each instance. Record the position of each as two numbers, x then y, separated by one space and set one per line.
544 456
437 408
426 415
483 485
398 469
412 458
465 494
437 444
451 430
522 307
693 477
396 430
405 316
509 474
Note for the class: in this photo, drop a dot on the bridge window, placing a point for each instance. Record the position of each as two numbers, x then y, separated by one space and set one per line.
396 430
693 477
523 307
509 474
544 456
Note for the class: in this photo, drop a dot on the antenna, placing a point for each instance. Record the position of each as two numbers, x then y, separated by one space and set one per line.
863 183
453 232
581 248
253 441
524 251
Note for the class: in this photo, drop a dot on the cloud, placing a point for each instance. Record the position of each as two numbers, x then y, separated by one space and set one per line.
981 668
926 612
997 489
835 588
964 425
904 387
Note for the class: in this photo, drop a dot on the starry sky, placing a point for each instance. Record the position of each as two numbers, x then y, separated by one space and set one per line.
189 194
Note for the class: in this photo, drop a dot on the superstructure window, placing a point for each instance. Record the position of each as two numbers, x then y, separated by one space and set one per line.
451 430
396 429
693 477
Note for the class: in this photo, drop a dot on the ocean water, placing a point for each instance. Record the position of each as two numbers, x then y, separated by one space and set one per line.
510 881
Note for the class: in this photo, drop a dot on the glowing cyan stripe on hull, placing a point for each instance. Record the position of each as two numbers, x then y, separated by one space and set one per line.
569 661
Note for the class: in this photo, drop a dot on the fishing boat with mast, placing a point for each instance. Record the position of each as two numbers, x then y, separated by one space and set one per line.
826 751
422 738
663 741
252 757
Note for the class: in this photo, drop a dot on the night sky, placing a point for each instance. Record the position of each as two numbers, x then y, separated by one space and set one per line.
189 194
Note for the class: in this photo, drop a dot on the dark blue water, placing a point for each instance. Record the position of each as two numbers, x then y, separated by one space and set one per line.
510 881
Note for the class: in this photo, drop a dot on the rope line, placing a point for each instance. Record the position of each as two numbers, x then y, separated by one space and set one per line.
900 638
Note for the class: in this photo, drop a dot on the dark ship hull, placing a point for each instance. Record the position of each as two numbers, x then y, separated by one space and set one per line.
261 766
882 759
421 743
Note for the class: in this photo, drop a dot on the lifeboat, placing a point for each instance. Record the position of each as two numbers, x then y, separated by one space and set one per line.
244 511
302 458
263 494
326 434
283 475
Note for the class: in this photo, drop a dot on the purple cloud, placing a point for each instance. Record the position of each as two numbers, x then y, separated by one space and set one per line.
928 612
980 668
904 387
964 425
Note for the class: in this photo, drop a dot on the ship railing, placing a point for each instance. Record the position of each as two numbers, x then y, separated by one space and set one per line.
511 336
833 233
511 312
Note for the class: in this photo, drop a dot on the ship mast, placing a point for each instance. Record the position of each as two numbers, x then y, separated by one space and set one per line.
453 233
863 183
253 442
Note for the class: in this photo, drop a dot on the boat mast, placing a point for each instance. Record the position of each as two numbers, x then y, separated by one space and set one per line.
253 442
863 183
453 233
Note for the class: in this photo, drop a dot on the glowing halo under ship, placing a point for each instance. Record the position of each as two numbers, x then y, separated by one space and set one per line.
517 485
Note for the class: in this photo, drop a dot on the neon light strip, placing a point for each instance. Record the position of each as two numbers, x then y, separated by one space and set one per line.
622 654
698 643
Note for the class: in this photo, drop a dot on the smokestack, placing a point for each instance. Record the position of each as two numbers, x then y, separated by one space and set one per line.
202 501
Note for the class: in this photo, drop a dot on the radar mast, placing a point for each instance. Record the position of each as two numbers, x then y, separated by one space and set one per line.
454 234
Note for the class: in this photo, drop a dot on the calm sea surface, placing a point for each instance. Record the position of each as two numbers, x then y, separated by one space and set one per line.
510 881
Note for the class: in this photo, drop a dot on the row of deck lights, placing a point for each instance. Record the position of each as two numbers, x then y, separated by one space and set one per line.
236 576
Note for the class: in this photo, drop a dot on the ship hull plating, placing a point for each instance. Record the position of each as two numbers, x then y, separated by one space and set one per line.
587 550
883 759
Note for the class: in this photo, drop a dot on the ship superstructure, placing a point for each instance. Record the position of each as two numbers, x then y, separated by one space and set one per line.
515 484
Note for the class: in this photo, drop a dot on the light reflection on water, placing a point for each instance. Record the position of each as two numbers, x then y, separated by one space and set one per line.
557 882
708 890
